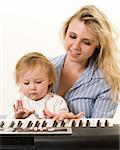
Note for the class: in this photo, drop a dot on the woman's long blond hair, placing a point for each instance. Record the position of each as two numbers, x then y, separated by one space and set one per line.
107 55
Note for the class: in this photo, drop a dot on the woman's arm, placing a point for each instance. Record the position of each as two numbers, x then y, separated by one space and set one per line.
104 106
63 115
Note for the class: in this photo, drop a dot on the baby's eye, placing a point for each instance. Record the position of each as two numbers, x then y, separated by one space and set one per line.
38 82
26 83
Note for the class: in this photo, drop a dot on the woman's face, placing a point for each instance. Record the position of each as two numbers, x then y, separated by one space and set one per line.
80 42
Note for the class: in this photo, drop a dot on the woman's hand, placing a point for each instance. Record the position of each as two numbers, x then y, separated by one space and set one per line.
63 115
20 111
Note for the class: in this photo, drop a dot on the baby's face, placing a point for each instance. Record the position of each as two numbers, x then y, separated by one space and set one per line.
34 83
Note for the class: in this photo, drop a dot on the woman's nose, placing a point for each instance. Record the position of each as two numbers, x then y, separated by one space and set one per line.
76 45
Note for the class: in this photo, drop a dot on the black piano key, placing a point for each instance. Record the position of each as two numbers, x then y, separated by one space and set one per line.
37 124
87 123
62 123
106 123
73 123
55 123
19 123
98 123
12 124
29 124
44 123
1 124
80 123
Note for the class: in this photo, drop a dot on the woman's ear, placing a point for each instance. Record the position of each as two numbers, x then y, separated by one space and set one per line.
98 46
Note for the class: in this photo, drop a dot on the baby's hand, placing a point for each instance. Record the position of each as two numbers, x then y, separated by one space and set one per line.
20 111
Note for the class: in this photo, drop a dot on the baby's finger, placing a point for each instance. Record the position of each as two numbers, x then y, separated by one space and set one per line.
48 114
19 104
14 107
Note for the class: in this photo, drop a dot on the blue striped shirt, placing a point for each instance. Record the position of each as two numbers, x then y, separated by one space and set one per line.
89 94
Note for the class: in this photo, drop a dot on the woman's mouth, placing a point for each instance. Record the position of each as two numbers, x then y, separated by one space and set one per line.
74 52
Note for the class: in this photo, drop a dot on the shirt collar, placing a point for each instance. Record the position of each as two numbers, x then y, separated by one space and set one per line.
91 72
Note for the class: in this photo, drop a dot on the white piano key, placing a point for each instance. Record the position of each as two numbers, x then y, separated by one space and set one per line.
110 122
84 122
59 124
91 122
68 122
102 122
49 122
77 123
95 122
12 123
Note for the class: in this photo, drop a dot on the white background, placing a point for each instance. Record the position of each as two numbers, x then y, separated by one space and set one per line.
34 25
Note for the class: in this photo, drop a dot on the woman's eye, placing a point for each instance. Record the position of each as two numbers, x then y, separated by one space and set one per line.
87 43
73 36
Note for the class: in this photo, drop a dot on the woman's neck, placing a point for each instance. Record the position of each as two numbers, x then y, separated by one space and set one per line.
71 72
74 65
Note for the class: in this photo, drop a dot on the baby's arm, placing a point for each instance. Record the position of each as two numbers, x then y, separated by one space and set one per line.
61 110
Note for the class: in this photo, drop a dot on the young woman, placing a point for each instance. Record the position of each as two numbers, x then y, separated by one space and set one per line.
88 76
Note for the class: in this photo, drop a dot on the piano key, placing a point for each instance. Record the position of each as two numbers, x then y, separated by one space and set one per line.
77 123
33 124
15 123
63 123
68 123
102 122
96 122
84 122
25 123
49 123
1 123
91 123
44 123
110 122
37 123
41 121
73 123
9 123
59 123
29 123
55 123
